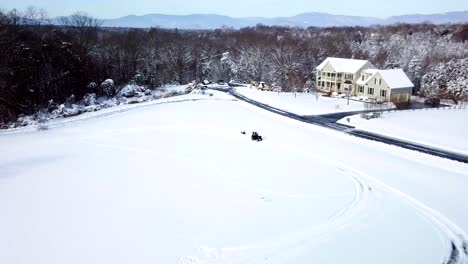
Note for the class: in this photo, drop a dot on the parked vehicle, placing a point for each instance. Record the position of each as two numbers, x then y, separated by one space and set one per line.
432 102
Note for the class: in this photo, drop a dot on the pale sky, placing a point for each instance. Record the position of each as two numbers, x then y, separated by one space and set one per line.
239 8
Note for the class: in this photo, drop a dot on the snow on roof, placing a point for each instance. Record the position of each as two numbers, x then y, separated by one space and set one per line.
371 71
343 65
394 78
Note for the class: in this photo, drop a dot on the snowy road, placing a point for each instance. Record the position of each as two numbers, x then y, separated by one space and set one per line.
178 183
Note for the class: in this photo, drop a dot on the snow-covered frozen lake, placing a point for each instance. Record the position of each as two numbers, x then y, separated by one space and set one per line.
178 183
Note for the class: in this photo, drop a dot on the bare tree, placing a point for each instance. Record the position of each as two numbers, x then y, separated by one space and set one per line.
35 16
84 29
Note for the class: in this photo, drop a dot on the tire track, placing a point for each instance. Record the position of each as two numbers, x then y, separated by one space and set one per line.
345 217
456 239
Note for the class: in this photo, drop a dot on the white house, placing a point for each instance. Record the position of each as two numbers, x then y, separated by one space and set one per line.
385 85
361 78
340 75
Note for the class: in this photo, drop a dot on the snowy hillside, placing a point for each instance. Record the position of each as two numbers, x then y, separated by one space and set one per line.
443 128
177 182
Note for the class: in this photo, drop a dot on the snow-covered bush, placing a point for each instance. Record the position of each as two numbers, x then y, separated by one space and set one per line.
74 110
92 86
52 106
110 103
64 111
71 99
139 79
134 100
108 87
89 99
171 94
92 108
190 87
132 90
25 121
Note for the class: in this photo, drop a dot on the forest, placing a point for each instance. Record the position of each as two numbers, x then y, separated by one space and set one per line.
41 62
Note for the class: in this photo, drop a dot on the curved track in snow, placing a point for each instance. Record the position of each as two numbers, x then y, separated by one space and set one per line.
347 216
456 240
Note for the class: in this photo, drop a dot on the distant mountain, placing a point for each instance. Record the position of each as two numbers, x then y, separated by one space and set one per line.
325 20
173 21
451 17
313 19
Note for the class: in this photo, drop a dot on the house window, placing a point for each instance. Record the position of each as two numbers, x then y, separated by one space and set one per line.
383 93
370 91
323 84
328 74
348 76
380 81
339 86
375 81
328 84
333 75
363 77
339 75
361 89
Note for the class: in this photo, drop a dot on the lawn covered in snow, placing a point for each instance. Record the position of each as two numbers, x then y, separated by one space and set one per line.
302 103
442 128
176 182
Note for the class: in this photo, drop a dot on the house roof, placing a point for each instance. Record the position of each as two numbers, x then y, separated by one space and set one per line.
394 78
371 73
343 65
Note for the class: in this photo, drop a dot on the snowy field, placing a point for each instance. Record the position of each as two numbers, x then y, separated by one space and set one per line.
176 182
441 128
303 103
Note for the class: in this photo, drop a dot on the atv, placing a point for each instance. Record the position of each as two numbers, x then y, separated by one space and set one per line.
256 137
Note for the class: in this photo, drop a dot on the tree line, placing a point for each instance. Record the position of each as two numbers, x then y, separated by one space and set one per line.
40 62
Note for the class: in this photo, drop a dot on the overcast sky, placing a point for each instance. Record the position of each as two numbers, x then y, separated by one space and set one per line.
239 8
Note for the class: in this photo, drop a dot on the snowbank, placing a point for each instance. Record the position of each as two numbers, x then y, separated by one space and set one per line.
442 128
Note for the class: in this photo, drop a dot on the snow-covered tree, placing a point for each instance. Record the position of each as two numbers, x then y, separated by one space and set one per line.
108 87
448 80
254 64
